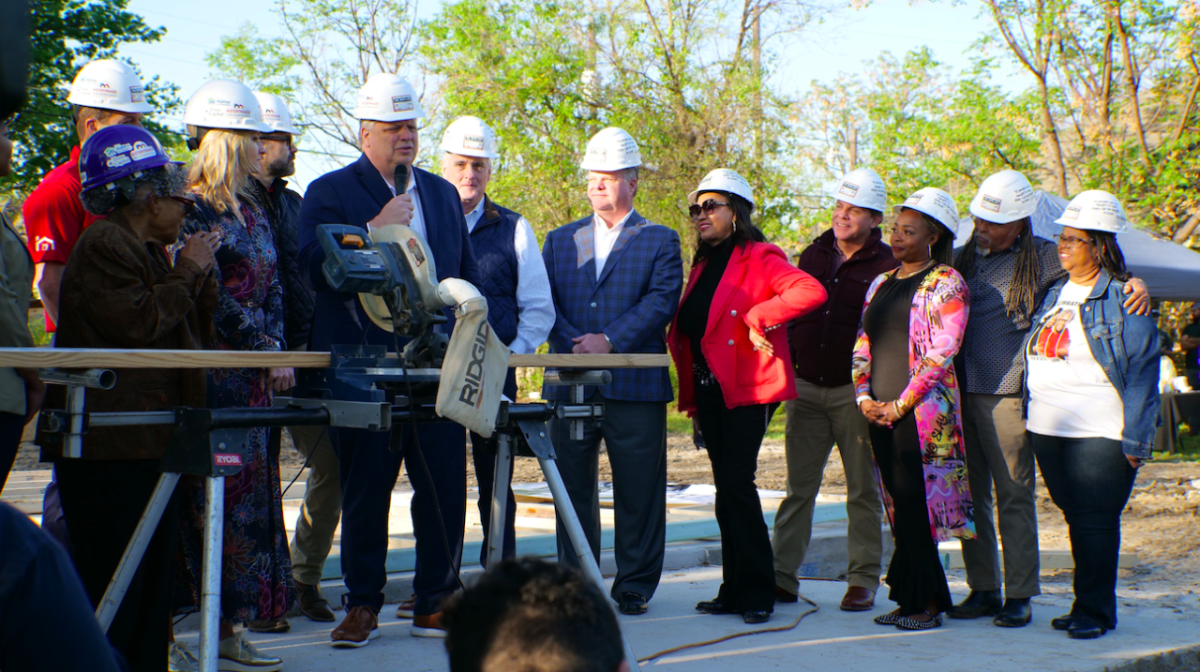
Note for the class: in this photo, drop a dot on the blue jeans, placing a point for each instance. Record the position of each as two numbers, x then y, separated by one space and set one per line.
1090 480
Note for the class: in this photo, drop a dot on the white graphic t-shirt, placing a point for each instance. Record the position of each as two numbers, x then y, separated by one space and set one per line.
1069 393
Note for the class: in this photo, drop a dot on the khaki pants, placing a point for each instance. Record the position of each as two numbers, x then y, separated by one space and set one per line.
999 454
322 506
818 418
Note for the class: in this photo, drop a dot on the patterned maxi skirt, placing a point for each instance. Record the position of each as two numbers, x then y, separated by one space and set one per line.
256 571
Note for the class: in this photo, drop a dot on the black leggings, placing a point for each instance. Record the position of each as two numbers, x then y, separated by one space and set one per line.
733 438
915 574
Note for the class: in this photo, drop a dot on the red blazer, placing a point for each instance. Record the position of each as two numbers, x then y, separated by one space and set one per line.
759 289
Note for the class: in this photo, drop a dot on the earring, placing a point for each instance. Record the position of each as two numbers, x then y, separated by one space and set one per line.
735 225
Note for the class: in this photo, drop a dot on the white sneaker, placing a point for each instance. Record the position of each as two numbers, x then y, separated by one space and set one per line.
237 654
179 659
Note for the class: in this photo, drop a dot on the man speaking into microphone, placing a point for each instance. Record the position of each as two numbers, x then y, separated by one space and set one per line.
366 194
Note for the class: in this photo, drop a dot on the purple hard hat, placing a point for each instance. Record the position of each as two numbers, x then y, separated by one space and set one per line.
117 152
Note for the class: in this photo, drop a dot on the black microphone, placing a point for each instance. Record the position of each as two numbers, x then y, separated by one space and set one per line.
401 178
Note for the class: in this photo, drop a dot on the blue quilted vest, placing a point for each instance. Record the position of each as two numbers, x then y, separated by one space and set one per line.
492 241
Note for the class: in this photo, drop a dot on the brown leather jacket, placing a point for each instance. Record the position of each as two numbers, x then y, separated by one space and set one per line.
118 292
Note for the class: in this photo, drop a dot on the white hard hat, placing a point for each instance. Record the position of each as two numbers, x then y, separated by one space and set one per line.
469 136
109 85
1004 197
275 113
611 149
935 203
387 97
225 104
1095 210
862 188
724 179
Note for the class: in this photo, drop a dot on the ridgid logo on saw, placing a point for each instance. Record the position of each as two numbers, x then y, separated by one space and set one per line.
472 383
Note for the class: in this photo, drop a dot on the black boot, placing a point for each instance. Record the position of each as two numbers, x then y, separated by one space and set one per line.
978 603
1016 613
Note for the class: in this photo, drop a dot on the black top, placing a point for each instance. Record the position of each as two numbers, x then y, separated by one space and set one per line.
886 323
693 314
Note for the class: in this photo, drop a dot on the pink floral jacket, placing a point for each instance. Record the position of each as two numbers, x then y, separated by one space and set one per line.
936 325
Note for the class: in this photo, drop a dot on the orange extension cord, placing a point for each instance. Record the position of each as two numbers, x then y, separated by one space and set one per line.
726 638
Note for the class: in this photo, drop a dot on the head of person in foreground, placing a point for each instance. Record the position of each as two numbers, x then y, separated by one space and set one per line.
529 615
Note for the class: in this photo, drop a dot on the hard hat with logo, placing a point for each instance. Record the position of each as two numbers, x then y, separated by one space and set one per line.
1095 210
862 188
109 85
726 180
610 150
115 153
469 136
935 203
224 104
1004 197
387 97
275 113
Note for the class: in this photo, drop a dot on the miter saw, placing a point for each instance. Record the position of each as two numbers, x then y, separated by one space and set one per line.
393 272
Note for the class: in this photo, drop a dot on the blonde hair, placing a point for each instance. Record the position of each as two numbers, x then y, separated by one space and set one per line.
221 170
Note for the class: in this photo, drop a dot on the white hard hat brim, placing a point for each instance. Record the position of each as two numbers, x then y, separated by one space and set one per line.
696 194
952 230
993 217
467 152
127 108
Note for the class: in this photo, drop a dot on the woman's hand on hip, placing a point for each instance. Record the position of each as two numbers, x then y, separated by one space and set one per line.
761 343
1134 461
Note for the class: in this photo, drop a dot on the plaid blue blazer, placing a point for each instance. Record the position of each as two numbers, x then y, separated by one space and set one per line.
632 302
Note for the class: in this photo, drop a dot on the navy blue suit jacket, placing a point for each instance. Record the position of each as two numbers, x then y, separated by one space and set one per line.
354 195
632 302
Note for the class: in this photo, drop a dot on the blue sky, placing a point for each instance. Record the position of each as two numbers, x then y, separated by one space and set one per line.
842 44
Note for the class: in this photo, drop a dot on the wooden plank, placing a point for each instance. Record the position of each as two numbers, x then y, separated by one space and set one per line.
70 358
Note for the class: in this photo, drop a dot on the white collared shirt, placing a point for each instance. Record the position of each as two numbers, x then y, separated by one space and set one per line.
418 219
535 307
604 239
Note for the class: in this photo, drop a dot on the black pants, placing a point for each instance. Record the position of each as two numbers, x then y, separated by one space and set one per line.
635 436
915 574
11 428
732 437
104 499
369 468
1090 480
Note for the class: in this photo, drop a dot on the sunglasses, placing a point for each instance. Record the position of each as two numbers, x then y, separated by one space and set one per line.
187 203
707 206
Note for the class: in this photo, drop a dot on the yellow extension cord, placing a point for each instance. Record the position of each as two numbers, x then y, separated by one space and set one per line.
726 638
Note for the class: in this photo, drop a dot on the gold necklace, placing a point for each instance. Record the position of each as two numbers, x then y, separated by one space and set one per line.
902 276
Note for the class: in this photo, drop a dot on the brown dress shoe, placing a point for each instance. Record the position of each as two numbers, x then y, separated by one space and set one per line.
313 605
360 626
428 626
784 595
269 625
858 599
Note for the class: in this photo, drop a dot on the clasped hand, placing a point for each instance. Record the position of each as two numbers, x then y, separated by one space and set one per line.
879 413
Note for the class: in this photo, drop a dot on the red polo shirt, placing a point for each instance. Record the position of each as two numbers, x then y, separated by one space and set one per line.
55 217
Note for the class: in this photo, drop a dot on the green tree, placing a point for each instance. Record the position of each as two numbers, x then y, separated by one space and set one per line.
257 62
64 35
548 75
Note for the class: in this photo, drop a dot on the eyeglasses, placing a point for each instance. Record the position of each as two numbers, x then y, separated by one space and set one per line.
707 206
285 139
188 204
1070 242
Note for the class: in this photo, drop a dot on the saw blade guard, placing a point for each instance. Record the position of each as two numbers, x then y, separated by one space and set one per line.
404 243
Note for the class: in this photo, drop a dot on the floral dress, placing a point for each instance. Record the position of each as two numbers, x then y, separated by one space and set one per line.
257 570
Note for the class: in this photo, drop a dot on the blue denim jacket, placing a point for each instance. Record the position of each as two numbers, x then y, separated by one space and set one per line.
1126 347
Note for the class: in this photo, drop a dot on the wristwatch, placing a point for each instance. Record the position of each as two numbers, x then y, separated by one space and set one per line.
610 343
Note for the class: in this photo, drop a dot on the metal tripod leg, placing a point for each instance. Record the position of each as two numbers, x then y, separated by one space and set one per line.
496 531
210 584
119 585
566 512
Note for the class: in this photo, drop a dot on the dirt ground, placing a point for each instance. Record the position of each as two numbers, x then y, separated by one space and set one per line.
1161 523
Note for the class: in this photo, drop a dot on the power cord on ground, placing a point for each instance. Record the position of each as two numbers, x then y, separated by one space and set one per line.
726 638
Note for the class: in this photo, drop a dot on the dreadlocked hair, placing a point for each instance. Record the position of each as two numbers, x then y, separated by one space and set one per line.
1022 289
1111 259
